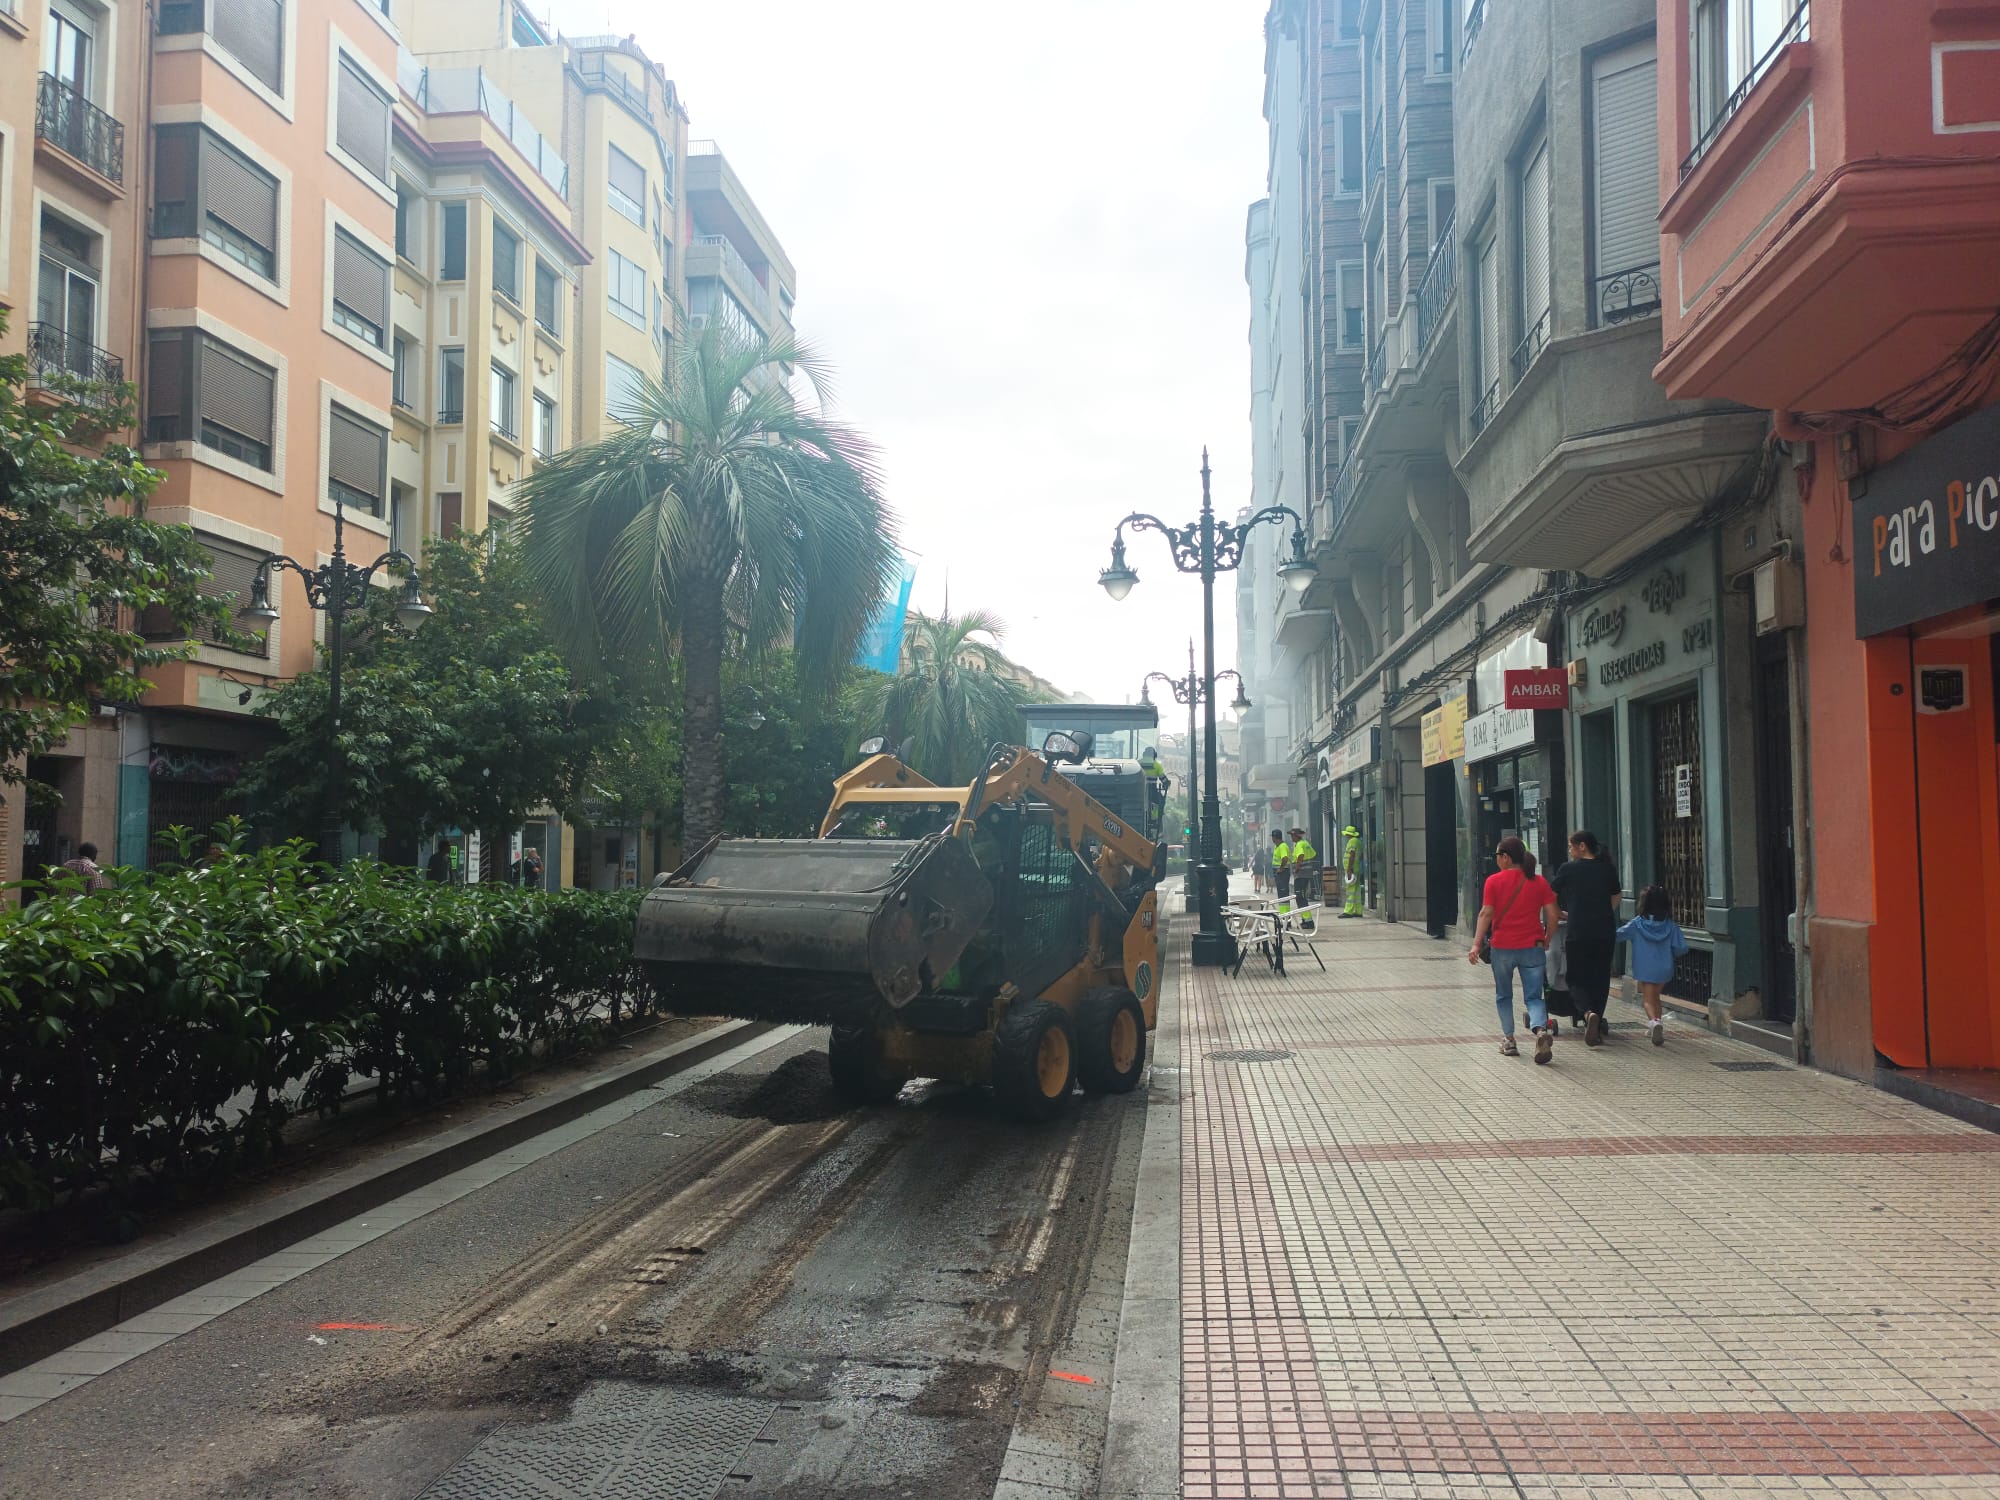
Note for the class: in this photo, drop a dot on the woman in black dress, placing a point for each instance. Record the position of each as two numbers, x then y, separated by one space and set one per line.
1587 887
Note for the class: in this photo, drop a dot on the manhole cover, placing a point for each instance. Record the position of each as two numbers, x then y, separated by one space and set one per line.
1249 1054
1752 1067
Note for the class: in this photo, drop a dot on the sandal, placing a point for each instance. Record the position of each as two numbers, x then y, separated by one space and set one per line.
1507 1047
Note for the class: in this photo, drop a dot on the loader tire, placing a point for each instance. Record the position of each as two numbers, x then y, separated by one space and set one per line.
1110 1042
1034 1060
854 1057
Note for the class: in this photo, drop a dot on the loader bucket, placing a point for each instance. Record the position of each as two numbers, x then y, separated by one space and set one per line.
837 931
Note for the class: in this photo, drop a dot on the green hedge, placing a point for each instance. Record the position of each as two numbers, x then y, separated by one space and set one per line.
130 1019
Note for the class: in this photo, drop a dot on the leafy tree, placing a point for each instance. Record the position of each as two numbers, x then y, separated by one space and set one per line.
78 561
724 505
951 701
473 721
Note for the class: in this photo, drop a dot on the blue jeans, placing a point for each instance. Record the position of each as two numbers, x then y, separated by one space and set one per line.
1532 964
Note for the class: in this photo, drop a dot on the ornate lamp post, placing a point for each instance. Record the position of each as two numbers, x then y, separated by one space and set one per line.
1208 546
1190 691
335 588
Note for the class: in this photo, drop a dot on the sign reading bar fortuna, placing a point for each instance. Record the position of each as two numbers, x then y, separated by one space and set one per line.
1927 533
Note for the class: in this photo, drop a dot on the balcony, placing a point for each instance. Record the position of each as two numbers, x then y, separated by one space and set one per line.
456 91
1475 17
1533 342
1376 370
73 368
1440 284
80 130
1797 29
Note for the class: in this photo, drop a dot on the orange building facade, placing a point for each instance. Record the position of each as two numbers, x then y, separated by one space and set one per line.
1830 221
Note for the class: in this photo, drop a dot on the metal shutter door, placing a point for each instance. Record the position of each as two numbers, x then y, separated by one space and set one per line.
236 391
362 126
355 454
239 193
1627 186
1535 238
360 279
253 32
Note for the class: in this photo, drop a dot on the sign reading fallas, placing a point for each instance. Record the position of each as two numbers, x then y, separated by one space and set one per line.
1927 533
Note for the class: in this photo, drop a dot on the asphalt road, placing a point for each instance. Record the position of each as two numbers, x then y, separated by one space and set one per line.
744 1289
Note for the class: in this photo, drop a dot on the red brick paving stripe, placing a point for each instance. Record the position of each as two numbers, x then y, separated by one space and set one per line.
1715 1443
1383 1041
1886 1143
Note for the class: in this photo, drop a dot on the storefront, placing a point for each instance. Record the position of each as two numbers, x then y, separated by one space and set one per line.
1353 799
1514 759
1442 735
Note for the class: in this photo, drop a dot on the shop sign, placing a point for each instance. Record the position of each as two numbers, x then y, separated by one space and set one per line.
1355 753
1325 769
1443 731
1684 790
1940 690
1497 731
1927 532
1663 623
1538 687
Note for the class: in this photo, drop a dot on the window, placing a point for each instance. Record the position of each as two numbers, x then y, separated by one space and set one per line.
232 574
506 414
627 187
1348 146
357 461
409 204
1350 429
526 31
1350 20
506 262
204 188
399 387
1734 41
1534 202
1353 307
66 295
1487 290
251 31
451 386
627 287
1441 22
361 118
451 513
548 298
202 391
69 49
546 441
1444 199
451 263
624 389
360 289
1625 187
403 529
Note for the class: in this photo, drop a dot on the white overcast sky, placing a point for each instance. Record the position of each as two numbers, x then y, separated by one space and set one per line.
1018 233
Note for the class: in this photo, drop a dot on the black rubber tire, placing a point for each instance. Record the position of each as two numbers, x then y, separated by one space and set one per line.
1017 1057
854 1056
1096 1063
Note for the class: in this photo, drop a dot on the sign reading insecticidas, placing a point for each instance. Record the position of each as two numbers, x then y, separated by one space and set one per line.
1927 532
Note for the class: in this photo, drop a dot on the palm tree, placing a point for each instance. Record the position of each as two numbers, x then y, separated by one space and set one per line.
723 507
950 700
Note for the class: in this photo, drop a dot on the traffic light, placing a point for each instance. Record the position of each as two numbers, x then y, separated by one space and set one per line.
1187 831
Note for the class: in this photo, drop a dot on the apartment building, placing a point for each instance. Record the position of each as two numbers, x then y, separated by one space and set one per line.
72 264
1829 182
736 268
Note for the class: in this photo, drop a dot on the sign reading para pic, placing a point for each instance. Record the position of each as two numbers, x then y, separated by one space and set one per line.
1537 687
1927 533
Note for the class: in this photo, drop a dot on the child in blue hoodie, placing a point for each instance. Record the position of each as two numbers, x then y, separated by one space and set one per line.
1656 942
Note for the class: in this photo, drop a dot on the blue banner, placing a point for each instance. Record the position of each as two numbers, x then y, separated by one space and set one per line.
881 644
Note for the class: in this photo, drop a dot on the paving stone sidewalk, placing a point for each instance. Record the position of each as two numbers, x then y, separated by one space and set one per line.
1412 1267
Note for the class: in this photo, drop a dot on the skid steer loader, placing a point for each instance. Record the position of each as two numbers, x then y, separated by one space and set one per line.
1003 933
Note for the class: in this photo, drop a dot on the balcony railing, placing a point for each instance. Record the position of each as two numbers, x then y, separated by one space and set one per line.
72 124
733 259
703 148
1378 362
1533 342
444 91
451 416
1624 295
1340 493
1475 17
1482 412
1434 292
73 367
1797 29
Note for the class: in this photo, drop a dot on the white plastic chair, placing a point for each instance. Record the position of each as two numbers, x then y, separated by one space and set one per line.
1303 925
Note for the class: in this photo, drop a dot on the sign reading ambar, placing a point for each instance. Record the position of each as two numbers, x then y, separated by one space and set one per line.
1538 687
1927 533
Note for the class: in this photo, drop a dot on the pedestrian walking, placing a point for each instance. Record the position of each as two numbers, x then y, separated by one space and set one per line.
438 871
1350 872
1515 923
1306 887
1281 868
1587 889
85 866
1260 867
1656 940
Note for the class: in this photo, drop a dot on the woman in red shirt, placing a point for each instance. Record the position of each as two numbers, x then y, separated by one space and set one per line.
1520 915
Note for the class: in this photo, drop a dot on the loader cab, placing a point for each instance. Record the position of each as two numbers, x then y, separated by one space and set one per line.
1109 772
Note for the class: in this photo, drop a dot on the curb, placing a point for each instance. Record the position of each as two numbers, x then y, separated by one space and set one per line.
38 1323
1142 1443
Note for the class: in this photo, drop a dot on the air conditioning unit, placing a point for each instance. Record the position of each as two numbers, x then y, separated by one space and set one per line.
1777 595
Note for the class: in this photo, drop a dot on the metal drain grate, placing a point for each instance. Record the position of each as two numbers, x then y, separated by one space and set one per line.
1250 1054
620 1442
1752 1067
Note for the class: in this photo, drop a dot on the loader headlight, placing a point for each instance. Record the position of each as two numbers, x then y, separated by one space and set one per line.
875 744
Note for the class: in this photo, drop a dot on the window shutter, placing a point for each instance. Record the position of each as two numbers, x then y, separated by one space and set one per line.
1489 317
356 452
506 263
1535 237
624 384
236 391
238 192
628 177
174 180
360 279
451 265
232 570
252 31
362 123
545 298
166 388
1626 131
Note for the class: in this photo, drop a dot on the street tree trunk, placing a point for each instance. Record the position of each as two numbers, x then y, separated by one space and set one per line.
703 792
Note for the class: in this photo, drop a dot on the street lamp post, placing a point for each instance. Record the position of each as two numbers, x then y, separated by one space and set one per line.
335 588
1208 547
1189 690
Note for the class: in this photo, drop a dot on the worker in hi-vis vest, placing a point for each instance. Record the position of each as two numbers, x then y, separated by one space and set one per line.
1281 868
1350 871
1306 888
